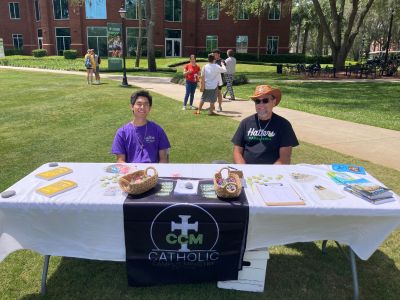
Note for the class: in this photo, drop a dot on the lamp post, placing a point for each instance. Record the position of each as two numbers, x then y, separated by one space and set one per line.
122 13
389 35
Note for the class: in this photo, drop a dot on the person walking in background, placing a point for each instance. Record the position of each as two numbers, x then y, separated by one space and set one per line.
230 63
97 60
191 72
212 75
90 65
219 61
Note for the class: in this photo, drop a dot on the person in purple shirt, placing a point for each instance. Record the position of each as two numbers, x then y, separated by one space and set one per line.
141 141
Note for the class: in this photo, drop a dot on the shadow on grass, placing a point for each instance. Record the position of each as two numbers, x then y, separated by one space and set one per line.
297 271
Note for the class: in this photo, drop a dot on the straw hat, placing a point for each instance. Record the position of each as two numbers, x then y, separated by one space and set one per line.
264 90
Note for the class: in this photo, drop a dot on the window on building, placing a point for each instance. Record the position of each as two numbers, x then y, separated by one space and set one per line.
18 41
132 35
211 42
60 8
173 10
272 44
132 9
275 12
213 12
243 14
37 10
14 10
242 43
40 38
97 39
96 9
63 40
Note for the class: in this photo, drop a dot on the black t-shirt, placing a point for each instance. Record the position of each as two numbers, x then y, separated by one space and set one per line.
261 142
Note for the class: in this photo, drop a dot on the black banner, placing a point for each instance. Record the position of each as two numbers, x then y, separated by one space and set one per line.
180 238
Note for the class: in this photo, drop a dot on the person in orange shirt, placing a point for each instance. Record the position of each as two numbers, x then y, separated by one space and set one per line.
191 72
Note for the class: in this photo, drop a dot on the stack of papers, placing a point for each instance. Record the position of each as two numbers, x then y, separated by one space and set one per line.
279 194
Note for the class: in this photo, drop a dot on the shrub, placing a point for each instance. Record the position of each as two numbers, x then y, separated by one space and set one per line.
39 52
237 79
9 52
240 79
70 54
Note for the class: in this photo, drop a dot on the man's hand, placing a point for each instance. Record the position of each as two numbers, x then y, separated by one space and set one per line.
163 156
238 155
121 158
285 154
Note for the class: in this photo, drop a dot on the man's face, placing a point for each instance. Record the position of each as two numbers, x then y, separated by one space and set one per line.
141 108
264 105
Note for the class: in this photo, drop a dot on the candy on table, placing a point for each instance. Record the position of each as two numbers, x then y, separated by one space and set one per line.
279 177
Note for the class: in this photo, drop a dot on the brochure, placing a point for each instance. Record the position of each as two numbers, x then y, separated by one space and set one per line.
54 173
348 168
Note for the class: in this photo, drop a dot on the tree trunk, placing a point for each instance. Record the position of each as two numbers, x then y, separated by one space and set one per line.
151 20
320 41
139 39
259 37
298 37
305 39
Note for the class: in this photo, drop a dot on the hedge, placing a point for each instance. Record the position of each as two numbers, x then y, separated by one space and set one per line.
276 58
9 52
70 54
39 52
237 79
157 53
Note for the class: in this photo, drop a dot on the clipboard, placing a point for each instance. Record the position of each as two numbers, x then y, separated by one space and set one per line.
279 194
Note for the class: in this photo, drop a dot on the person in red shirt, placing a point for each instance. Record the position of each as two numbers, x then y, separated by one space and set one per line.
191 72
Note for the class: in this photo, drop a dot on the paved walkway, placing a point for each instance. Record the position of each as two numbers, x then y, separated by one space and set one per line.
377 145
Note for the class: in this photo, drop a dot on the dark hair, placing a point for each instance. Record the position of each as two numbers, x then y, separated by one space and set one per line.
141 93
216 51
211 57
229 52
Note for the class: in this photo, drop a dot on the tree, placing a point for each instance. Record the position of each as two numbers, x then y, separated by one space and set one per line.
346 23
256 8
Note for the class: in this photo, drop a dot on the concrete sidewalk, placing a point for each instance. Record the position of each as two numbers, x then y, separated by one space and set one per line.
377 145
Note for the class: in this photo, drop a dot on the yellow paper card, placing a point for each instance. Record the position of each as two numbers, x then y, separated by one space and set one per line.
57 188
54 173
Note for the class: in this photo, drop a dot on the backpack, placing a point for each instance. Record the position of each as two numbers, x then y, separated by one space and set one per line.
88 64
99 60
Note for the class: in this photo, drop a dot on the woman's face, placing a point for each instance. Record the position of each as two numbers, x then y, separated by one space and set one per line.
192 59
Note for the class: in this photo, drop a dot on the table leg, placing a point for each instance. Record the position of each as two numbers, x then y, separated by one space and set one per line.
44 274
354 273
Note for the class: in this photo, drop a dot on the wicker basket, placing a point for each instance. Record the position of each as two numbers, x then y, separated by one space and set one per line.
128 184
227 187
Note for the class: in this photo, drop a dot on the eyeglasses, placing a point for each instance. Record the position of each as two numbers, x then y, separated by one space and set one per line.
264 101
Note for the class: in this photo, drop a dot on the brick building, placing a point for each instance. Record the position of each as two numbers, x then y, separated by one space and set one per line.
182 27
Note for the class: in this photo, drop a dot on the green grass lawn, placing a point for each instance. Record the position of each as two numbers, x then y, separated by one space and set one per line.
371 103
59 118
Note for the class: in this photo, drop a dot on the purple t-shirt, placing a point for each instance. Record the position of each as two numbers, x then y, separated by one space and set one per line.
140 144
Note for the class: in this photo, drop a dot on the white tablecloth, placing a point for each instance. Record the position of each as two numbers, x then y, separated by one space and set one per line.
86 223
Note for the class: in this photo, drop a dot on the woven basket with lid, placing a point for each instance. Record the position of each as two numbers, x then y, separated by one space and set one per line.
231 186
129 183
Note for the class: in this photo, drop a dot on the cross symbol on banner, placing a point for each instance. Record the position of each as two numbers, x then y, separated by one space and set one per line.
184 227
